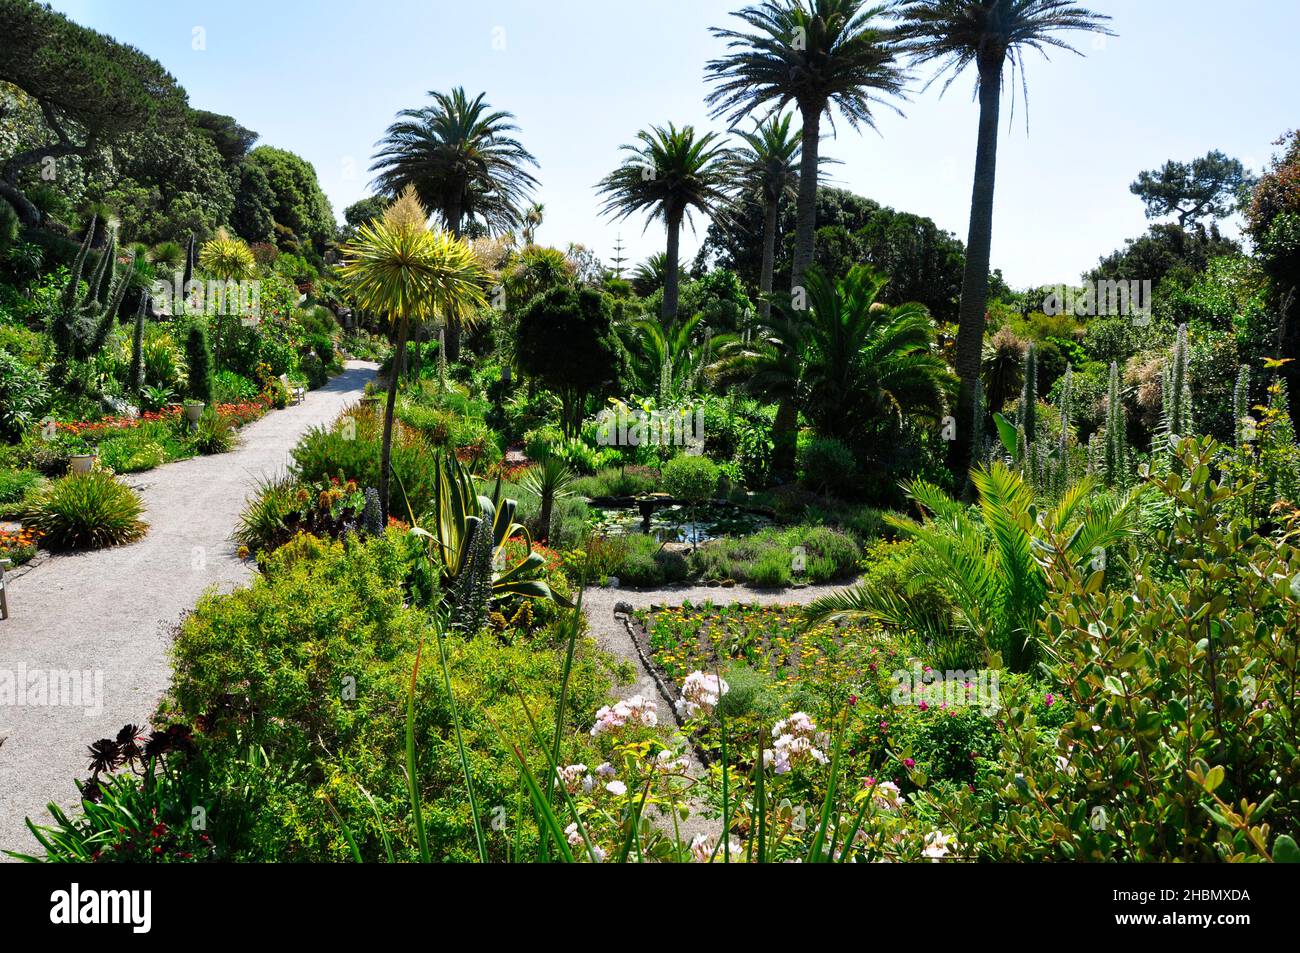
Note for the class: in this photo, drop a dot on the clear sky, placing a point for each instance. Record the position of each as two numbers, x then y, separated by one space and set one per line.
323 78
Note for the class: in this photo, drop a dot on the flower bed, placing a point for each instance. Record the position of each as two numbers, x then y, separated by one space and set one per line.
19 546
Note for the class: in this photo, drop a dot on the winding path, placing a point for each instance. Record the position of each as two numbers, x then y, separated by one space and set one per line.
111 612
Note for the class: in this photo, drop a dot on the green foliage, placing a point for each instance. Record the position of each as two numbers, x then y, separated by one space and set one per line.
213 433
827 464
617 481
778 557
337 615
22 397
86 511
299 204
198 359
690 479
1183 712
566 340
645 562
231 388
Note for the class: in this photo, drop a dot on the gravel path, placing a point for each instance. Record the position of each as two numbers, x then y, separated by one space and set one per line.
109 613
611 635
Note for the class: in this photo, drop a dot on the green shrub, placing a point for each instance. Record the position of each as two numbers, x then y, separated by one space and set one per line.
768 558
232 388
350 449
86 511
198 358
827 464
132 455
22 397
691 479
647 563
15 485
213 434
284 654
263 523
618 481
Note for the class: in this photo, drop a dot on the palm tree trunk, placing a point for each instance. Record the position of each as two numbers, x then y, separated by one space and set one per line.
394 381
975 281
454 217
669 310
785 439
805 228
769 259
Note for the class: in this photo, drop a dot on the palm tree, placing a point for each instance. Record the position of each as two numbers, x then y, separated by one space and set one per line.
990 35
227 259
396 267
550 478
671 173
816 54
532 222
464 163
988 562
665 360
865 362
766 169
847 361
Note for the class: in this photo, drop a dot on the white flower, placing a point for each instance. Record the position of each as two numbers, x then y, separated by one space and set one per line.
886 796
617 788
574 837
630 711
606 770
705 850
669 762
797 739
574 777
936 845
700 694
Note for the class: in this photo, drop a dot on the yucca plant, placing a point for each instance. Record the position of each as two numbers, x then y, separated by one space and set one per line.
987 560
86 511
550 478
229 259
397 267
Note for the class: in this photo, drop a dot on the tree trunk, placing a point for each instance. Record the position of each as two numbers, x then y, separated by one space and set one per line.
785 439
394 381
669 310
769 259
28 213
544 518
975 281
805 228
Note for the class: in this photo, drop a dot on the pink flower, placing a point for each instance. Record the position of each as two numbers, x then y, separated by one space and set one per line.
1050 699
909 763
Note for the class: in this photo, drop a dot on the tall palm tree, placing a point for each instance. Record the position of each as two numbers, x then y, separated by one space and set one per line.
397 267
668 175
532 222
817 54
989 35
766 169
461 157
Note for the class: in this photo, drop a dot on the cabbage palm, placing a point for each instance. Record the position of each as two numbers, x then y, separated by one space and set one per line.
766 169
990 35
227 259
817 54
461 157
668 175
550 478
396 267
986 560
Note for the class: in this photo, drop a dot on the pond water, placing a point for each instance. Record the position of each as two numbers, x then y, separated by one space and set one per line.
680 524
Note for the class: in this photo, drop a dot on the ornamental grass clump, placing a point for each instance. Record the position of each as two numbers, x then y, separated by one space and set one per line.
86 511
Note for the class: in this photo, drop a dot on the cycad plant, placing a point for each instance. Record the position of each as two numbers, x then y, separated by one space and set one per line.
398 268
987 560
668 174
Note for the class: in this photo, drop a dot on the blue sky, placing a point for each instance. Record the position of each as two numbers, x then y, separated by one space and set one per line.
324 78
